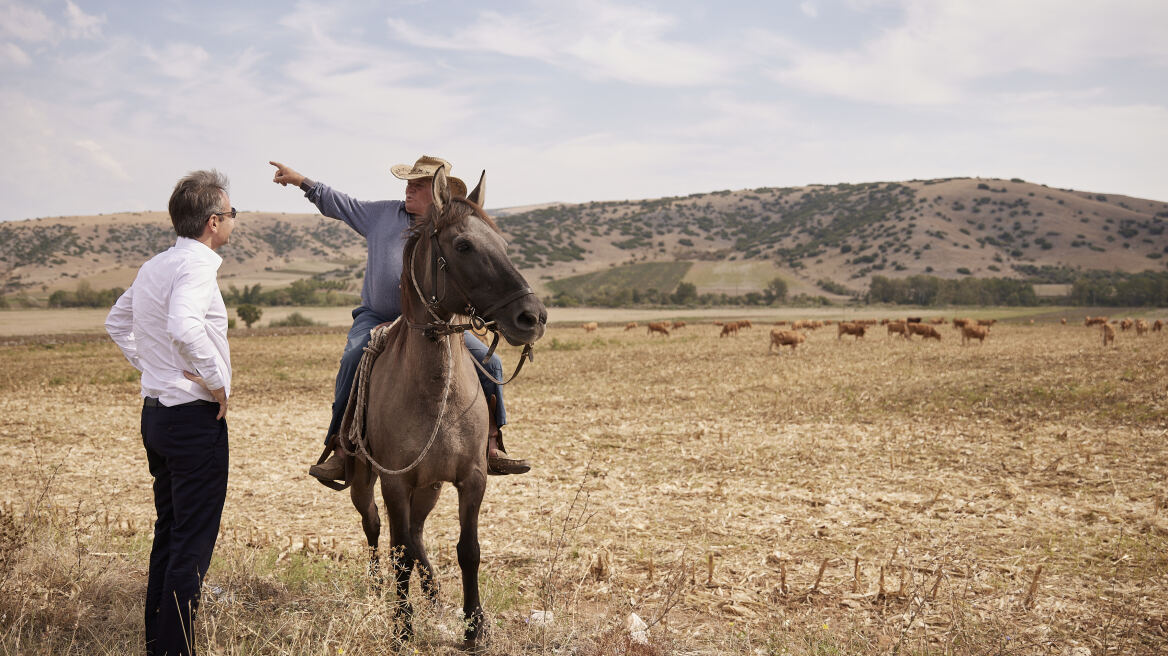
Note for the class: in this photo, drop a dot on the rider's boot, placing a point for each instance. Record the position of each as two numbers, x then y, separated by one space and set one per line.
332 469
498 462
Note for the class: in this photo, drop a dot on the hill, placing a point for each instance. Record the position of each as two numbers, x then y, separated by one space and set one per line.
833 237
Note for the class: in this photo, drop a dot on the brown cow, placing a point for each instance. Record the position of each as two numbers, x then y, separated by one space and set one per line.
678 324
1126 324
898 328
745 323
658 327
1108 334
924 330
1157 326
1063 321
630 326
781 338
730 328
781 322
938 321
590 327
1141 327
850 329
1094 321
974 332
986 322
959 323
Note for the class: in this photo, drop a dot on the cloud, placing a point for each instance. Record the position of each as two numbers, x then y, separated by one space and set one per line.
25 24
809 9
181 61
102 158
942 49
80 23
608 42
10 53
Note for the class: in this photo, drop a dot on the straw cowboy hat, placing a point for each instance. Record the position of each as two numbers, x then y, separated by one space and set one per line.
426 167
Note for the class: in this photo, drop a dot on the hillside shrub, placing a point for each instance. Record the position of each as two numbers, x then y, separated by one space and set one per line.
294 320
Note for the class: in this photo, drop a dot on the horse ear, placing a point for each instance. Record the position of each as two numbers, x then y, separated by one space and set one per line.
479 195
440 189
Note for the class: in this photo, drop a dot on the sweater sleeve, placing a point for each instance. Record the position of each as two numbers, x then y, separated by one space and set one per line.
357 214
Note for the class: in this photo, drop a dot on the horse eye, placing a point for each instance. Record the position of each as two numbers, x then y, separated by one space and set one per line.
462 246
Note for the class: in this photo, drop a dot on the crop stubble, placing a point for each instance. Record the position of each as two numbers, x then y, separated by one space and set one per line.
753 485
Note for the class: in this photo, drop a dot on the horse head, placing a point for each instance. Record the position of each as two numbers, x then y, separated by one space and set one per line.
465 268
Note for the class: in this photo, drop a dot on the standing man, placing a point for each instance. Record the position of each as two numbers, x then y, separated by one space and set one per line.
171 325
384 225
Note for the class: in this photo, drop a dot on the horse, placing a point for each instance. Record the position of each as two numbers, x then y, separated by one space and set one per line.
427 418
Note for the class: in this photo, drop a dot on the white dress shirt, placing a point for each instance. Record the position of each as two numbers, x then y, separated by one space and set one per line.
171 319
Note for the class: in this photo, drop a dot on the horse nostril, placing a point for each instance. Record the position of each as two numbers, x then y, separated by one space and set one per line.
543 317
526 320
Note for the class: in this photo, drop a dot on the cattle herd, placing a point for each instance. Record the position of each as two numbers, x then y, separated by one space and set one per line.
794 333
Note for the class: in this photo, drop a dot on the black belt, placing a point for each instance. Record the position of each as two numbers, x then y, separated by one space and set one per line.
151 402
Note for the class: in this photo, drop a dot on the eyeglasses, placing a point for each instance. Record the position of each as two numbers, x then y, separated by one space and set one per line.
231 214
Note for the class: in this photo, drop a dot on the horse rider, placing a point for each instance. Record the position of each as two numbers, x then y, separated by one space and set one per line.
384 225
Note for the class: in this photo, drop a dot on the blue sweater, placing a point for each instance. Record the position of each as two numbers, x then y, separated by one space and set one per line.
384 224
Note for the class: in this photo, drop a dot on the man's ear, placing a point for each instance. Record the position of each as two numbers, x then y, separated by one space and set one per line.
440 191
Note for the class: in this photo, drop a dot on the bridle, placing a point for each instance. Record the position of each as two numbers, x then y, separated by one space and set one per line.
476 320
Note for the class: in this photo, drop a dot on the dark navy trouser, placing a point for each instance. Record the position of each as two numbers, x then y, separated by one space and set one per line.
186 448
365 320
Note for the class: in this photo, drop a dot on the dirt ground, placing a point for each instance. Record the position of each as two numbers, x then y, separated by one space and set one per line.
861 496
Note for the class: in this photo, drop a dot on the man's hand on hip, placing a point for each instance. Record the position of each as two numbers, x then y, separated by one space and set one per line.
219 394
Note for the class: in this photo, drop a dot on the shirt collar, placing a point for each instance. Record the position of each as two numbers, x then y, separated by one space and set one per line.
199 249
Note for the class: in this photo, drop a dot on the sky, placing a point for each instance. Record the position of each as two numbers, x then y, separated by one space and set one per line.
105 105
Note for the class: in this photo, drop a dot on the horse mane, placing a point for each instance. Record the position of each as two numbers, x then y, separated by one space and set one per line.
456 210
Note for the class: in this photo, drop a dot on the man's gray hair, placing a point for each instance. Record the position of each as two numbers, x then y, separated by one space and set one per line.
196 197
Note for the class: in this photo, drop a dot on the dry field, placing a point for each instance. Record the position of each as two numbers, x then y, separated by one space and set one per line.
855 497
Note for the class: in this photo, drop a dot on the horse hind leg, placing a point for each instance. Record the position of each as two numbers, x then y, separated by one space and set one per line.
470 498
361 493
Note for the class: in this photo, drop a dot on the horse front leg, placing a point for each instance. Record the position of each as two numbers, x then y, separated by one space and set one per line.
361 493
470 498
401 557
420 507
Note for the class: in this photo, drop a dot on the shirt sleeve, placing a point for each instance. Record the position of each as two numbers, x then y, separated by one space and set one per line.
186 322
119 324
357 214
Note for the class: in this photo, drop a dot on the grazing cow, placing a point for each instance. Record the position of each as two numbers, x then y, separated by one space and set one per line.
1157 326
986 322
898 328
913 320
632 325
781 338
1141 327
924 330
1094 321
828 322
1063 321
781 323
959 323
745 323
850 329
678 324
590 327
730 328
658 327
1108 334
1126 324
974 332
719 323
938 321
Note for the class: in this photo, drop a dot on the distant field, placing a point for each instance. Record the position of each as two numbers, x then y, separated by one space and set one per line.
733 278
662 276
